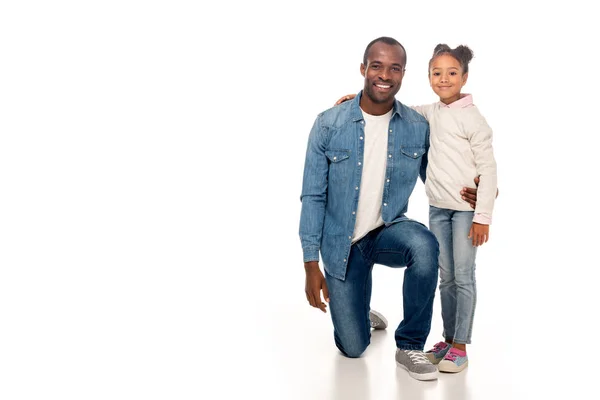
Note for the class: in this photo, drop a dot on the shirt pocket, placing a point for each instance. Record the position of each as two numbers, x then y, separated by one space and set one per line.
410 163
339 166
413 152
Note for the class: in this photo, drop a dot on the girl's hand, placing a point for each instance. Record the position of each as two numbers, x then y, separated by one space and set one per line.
345 98
480 233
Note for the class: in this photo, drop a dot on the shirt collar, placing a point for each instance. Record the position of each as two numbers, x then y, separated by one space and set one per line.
466 100
357 112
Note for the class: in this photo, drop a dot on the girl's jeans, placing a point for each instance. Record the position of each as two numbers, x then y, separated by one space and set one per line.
458 293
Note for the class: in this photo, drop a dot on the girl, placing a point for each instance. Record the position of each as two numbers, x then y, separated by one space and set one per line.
460 148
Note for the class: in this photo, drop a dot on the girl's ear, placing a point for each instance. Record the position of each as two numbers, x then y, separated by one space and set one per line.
464 78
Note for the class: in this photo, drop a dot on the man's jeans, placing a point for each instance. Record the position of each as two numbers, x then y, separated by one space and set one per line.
458 292
406 243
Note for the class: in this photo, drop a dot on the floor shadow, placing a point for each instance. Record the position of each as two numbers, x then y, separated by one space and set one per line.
351 379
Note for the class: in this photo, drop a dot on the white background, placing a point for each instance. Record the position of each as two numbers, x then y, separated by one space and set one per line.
151 159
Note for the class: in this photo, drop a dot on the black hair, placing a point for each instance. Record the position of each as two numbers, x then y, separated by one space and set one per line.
386 40
462 54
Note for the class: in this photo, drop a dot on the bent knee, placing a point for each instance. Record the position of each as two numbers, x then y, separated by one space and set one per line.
424 245
353 351
352 348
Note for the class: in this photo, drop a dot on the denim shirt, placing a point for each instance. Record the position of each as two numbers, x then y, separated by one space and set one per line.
332 178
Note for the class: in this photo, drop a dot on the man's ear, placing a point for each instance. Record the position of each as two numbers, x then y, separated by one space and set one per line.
362 69
464 78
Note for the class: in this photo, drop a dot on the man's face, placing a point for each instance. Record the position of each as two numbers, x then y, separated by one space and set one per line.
446 78
384 72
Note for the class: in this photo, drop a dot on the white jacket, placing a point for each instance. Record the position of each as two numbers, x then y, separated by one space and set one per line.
460 149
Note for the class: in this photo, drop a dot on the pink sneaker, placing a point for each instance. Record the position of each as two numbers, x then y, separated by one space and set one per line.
455 360
438 352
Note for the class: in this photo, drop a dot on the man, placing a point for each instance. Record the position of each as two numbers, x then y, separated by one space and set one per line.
362 164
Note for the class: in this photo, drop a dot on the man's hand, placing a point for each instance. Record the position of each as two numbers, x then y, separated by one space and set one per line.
315 282
470 195
480 233
345 98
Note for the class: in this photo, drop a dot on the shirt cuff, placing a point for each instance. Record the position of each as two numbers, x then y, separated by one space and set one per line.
311 254
482 219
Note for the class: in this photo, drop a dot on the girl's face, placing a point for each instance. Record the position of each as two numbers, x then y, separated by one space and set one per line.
446 78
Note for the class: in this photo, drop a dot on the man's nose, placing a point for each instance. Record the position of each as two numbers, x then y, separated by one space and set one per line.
384 74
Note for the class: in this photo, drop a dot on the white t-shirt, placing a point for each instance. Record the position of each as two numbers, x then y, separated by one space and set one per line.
368 215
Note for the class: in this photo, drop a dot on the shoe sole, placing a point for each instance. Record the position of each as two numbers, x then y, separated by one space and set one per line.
380 317
452 368
420 377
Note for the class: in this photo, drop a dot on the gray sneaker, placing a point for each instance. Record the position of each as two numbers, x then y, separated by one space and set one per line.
378 321
417 365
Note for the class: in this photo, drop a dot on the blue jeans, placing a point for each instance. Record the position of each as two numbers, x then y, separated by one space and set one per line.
406 243
458 293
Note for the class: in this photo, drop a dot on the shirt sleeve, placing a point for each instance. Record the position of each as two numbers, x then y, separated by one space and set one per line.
314 192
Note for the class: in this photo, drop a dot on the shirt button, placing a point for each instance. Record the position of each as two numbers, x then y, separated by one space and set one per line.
350 237
390 156
390 130
335 158
359 163
362 122
356 188
388 180
361 138
415 154
385 204
353 212
344 260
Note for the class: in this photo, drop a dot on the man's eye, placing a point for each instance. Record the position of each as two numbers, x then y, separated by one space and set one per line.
374 66
396 69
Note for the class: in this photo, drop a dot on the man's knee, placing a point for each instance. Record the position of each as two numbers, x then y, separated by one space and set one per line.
428 245
353 342
425 251
353 349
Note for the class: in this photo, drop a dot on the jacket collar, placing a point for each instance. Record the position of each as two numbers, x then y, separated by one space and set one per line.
356 112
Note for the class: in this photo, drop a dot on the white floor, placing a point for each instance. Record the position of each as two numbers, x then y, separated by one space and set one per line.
285 349
307 365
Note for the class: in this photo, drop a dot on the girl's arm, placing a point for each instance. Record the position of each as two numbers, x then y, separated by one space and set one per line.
481 145
425 110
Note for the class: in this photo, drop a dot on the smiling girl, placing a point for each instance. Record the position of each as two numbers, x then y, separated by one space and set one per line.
460 148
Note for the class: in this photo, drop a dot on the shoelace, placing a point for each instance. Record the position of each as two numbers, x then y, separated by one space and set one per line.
438 347
417 357
450 355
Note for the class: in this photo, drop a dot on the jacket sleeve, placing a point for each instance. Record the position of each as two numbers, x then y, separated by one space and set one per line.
314 192
485 163
425 110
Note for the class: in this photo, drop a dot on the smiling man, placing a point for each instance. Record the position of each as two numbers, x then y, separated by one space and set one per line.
362 164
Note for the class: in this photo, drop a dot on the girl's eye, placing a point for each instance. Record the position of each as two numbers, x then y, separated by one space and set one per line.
436 74
452 73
